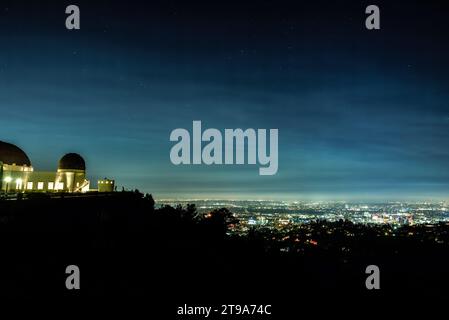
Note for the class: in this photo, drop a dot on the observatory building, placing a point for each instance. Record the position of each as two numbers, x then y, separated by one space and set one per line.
18 175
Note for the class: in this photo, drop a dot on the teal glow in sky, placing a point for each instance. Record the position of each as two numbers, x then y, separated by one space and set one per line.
361 114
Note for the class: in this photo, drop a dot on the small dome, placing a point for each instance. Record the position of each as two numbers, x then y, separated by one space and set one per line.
72 161
11 154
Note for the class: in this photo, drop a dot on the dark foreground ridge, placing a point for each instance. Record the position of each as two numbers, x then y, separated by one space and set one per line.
125 247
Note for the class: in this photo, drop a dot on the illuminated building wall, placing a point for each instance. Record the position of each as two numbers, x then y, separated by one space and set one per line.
106 185
18 175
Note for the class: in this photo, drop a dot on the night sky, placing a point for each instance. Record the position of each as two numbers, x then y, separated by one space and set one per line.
361 114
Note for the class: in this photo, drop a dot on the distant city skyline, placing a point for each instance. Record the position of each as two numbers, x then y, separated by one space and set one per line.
285 213
362 115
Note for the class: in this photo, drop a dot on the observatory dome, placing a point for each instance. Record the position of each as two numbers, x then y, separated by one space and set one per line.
72 161
11 154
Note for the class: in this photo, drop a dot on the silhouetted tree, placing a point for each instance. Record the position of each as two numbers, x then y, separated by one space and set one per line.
190 213
150 200
218 221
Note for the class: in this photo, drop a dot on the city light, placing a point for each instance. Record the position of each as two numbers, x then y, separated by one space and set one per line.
8 179
285 215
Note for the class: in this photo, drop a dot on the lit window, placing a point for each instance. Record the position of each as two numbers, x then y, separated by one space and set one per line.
30 186
51 185
40 186
19 184
77 184
59 185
